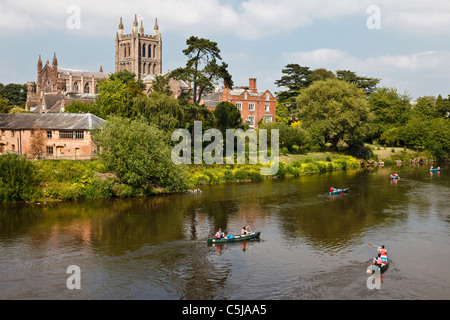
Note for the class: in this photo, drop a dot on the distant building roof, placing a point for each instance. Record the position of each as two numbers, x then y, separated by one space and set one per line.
54 121
89 74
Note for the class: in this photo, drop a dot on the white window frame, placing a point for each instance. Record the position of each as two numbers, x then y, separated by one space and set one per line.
239 105
267 107
250 106
251 121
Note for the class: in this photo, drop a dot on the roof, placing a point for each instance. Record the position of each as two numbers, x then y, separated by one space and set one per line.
54 121
90 74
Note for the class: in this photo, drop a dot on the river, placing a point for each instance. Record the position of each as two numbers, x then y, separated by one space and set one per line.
312 245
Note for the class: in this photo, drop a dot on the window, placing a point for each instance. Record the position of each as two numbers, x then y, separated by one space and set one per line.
251 107
86 87
12 133
267 96
267 108
13 147
268 119
71 134
75 87
251 121
49 134
79 134
49 151
239 105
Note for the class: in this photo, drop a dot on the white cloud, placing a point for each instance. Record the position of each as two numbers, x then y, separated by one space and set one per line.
248 19
416 72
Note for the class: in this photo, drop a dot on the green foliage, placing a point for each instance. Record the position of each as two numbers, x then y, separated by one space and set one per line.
338 110
365 83
202 68
161 110
79 106
228 116
291 138
19 179
138 154
14 94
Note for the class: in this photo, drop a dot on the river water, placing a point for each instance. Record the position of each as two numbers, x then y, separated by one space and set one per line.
312 245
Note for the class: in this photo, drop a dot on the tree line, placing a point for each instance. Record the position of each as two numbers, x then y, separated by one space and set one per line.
342 111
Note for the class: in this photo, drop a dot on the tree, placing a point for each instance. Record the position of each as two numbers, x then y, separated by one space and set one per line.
79 106
202 68
366 83
338 110
15 94
19 178
137 152
390 109
37 143
159 109
228 116
4 106
161 85
296 77
438 138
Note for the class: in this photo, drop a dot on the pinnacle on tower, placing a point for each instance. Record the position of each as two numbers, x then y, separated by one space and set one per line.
141 30
101 69
156 27
121 24
55 61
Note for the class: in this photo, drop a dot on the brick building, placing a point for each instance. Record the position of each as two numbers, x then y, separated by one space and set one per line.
55 135
255 105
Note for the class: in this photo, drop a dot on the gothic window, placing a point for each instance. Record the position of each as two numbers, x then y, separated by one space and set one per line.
149 51
75 86
124 50
154 51
143 68
86 87
149 68
143 50
129 52
47 86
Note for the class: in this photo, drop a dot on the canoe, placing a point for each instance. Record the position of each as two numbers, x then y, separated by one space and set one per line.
383 268
338 191
251 236
433 170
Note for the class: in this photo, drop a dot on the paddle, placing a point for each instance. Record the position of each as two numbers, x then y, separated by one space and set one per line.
373 245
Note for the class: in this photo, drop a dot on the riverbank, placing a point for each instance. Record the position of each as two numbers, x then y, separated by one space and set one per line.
90 179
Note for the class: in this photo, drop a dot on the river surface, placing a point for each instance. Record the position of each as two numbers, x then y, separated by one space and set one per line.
312 245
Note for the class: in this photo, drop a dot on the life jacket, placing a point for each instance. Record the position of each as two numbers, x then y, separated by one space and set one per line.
331 190
383 252
218 235
242 232
379 261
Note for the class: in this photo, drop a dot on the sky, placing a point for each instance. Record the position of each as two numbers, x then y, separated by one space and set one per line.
403 43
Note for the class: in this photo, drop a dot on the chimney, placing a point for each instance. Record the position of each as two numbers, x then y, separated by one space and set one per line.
252 85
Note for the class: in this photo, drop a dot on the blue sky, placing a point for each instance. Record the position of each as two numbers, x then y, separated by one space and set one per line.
410 51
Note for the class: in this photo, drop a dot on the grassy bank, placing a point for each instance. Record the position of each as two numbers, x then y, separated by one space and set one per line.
72 180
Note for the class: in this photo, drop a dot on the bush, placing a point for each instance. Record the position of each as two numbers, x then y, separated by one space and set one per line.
19 179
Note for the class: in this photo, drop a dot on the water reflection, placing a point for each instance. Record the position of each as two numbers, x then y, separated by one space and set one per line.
155 248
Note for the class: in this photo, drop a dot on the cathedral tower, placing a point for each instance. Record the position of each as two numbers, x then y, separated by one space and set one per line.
137 52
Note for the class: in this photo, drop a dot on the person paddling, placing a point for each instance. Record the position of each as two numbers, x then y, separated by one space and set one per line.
219 234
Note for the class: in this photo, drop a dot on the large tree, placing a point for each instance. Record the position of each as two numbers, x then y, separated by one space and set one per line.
368 84
294 79
203 69
338 110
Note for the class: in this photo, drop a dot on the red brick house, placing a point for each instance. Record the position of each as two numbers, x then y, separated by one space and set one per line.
255 105
55 135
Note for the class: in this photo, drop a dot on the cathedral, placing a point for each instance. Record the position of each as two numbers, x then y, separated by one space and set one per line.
136 52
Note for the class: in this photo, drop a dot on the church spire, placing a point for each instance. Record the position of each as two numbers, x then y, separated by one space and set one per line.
55 61
141 30
39 63
120 29
156 27
135 25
